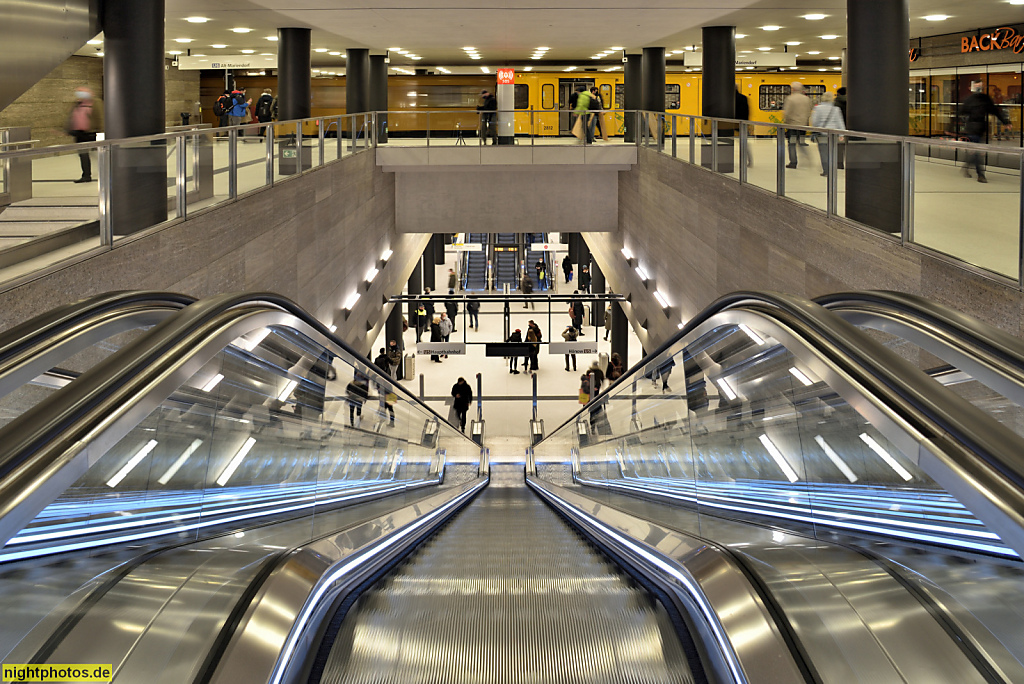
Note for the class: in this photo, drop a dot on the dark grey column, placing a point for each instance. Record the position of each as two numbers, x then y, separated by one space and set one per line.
620 333
583 257
429 271
379 94
653 78
574 248
357 81
437 244
718 83
415 288
133 87
393 327
878 33
294 91
633 97
597 287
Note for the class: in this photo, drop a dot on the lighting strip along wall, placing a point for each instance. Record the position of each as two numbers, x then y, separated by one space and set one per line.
660 562
806 515
353 564
886 456
751 334
132 462
236 461
834 457
176 466
777 456
206 522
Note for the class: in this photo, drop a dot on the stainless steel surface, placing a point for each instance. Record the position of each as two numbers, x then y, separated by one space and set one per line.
737 628
506 593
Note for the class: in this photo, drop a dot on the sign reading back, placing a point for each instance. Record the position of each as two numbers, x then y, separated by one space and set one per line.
1004 38
506 76
439 348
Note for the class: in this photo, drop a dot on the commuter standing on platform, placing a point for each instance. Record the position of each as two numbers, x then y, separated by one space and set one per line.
585 280
222 109
570 334
452 280
977 108
240 108
595 114
530 362
540 268
422 321
473 309
446 329
614 370
85 120
435 336
428 304
796 112
576 313
826 115
463 395
607 322
395 359
383 362
526 285
516 338
488 109
567 268
264 109
743 114
452 307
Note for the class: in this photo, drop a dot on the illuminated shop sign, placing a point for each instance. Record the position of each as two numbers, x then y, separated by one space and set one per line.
1001 39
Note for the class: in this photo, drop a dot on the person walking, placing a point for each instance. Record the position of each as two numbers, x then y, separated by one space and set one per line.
428 303
526 285
530 362
422 321
222 109
614 370
515 338
395 359
796 112
977 108
585 280
570 334
382 362
541 269
607 322
488 109
452 280
435 336
743 114
596 107
85 120
576 313
446 329
826 115
452 308
567 268
356 393
841 148
473 309
582 109
239 108
463 395
264 109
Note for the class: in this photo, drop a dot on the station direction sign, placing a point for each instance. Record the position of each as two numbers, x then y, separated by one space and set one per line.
572 347
548 247
467 246
440 349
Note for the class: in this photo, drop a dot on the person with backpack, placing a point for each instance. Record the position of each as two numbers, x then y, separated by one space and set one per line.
473 309
222 109
462 395
567 268
356 394
570 334
264 109
516 338
239 108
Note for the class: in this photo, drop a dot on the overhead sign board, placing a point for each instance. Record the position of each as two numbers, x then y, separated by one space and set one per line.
440 349
572 348
467 246
1004 38
227 62
549 247
506 76
758 61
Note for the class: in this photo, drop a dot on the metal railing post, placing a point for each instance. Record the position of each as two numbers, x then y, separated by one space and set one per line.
299 161
339 139
780 162
321 133
480 398
832 188
674 119
428 129
180 175
269 161
196 143
103 167
534 397
907 227
693 140
233 163
742 156
714 145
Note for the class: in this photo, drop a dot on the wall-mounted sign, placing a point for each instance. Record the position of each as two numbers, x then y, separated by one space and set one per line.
1004 38
549 247
506 76
467 246
767 59
228 62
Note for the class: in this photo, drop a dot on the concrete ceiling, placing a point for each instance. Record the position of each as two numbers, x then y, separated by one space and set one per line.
508 31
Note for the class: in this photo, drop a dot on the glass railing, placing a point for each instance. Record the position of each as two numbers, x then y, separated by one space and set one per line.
923 192
738 420
281 423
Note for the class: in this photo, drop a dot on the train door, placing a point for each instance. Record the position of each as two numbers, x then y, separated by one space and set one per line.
566 86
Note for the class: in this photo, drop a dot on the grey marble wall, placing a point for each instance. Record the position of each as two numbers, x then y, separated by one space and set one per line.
702 236
312 239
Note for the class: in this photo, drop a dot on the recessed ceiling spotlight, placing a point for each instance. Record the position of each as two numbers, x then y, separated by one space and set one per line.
617 47
241 30
198 54
764 49
746 52
394 49
248 52
829 36
814 52
196 20
1017 2
793 42
837 68
271 37
740 35
334 54
316 50
937 17
174 52
182 40
833 58
219 46
266 54
677 52
814 17
770 28
415 57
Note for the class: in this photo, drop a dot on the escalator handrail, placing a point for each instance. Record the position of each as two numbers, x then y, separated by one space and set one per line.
936 413
997 348
51 434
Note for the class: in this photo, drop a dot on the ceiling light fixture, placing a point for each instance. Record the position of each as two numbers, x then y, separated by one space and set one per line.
937 17
770 28
196 20
219 46
272 38
740 35
793 42
334 54
814 52
239 29
248 52
764 49
814 17
320 50
829 36
174 52
182 40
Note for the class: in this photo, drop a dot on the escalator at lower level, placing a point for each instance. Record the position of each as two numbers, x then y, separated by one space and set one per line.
506 592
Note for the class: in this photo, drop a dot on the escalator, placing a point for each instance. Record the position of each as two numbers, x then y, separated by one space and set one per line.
474 274
205 504
506 261
533 256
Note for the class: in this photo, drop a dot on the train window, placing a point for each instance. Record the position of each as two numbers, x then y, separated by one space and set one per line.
606 96
521 96
672 96
772 98
547 96
620 95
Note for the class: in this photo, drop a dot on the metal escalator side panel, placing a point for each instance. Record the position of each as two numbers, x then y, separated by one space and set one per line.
281 623
751 645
